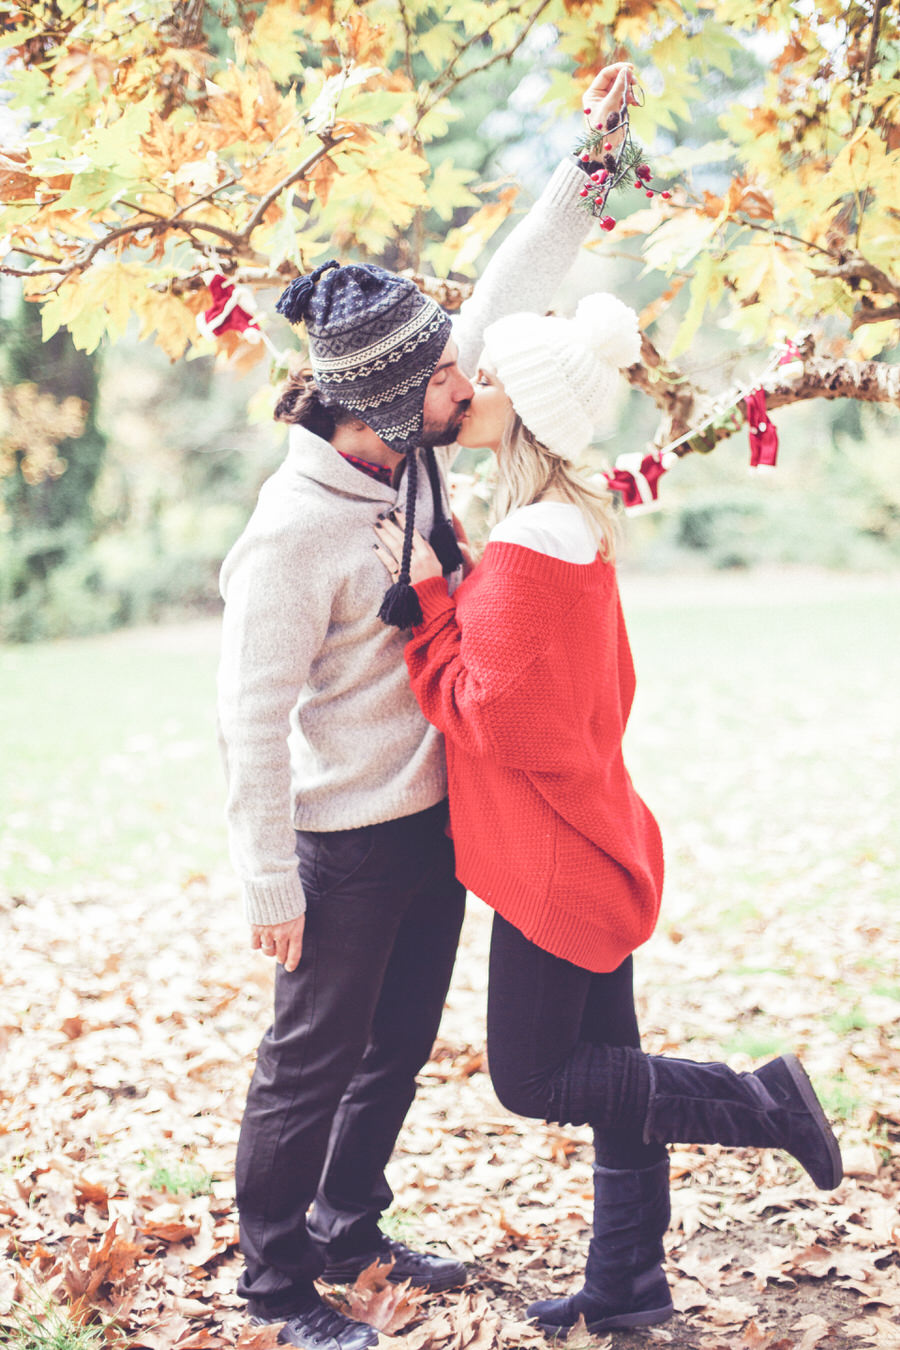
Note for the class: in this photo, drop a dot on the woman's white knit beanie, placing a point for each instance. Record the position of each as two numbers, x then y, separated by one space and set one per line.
561 373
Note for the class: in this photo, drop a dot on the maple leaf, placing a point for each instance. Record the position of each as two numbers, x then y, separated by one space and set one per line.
91 1193
745 198
365 41
375 1299
16 181
88 1266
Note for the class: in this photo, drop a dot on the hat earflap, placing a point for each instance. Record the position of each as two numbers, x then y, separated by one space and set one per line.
400 606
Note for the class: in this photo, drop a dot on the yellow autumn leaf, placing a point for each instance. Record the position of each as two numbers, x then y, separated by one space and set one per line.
862 164
463 246
169 318
385 178
115 287
275 40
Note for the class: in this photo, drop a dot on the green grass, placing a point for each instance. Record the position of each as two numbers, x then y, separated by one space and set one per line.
838 1098
109 768
51 1328
763 736
403 1224
178 1178
853 1019
755 1044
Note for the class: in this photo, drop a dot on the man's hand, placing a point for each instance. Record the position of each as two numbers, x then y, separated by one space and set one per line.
607 93
284 941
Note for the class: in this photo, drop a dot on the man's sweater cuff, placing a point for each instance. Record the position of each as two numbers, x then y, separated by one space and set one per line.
278 899
434 599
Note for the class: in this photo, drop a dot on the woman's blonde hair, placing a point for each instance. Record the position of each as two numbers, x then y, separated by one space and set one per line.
527 471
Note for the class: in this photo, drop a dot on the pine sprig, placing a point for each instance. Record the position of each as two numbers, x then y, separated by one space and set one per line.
608 168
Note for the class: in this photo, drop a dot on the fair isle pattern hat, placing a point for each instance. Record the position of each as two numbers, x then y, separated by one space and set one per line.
561 373
374 342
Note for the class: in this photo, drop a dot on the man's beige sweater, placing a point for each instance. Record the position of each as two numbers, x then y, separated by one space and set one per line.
318 725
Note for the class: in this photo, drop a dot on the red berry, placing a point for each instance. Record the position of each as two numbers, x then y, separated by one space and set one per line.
602 175
637 183
586 111
607 223
585 158
595 178
650 194
666 195
583 192
608 145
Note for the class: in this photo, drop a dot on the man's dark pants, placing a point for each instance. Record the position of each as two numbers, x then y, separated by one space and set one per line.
335 1073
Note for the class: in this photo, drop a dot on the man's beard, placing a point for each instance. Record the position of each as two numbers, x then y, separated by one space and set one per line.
445 433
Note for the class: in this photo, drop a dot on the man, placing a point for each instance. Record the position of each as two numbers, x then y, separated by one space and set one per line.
336 807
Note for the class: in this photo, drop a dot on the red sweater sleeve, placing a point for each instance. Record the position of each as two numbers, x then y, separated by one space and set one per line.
489 683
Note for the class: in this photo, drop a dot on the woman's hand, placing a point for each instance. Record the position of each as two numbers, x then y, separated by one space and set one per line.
424 562
607 93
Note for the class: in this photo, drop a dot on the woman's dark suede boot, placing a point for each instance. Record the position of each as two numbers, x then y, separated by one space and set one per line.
624 1284
775 1107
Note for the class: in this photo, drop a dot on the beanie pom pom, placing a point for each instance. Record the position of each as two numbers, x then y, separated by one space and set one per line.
610 328
294 299
400 607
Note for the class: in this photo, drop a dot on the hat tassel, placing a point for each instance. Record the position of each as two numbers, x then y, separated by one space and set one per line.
294 299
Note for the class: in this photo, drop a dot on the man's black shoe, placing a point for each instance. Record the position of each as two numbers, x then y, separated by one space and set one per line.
317 1326
424 1270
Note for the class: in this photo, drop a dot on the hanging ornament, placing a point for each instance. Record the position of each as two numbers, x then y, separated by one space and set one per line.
790 361
227 314
636 477
763 436
607 169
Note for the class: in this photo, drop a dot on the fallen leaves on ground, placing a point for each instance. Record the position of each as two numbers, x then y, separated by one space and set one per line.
170 1006
130 1017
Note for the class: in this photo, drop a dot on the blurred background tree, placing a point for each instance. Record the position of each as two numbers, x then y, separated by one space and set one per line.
150 146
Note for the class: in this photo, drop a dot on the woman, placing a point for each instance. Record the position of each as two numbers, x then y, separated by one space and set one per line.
527 672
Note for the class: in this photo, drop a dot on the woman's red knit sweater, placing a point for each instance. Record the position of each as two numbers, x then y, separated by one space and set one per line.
528 673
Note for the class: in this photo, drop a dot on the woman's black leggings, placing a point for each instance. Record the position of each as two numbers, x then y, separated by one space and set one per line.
561 1046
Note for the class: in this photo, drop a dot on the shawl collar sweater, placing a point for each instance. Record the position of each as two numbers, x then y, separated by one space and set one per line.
527 671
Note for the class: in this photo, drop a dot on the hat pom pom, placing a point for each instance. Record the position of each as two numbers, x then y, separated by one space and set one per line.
294 299
610 328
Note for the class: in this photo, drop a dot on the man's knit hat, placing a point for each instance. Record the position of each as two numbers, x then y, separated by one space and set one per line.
374 341
561 373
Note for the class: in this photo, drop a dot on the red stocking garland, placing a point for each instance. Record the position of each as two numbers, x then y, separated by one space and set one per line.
637 477
763 436
227 315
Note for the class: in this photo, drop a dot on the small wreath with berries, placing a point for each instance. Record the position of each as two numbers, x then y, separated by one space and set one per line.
607 168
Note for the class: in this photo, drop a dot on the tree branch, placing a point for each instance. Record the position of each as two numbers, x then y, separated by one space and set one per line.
873 43
158 224
328 144
854 267
683 406
442 84
872 314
